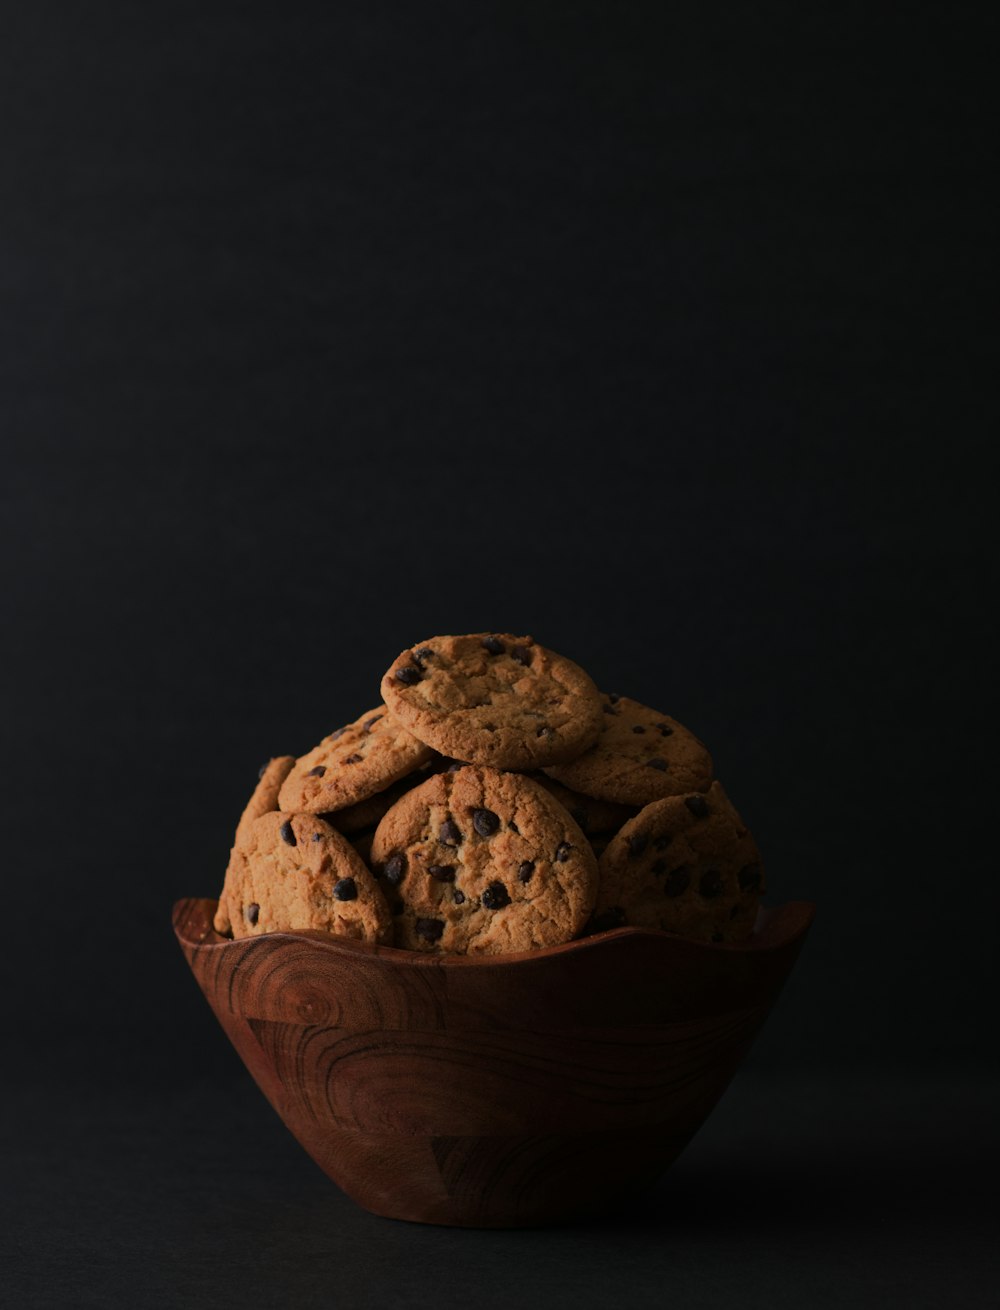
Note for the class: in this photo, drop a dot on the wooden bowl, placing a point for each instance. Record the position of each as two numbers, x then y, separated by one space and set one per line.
492 1091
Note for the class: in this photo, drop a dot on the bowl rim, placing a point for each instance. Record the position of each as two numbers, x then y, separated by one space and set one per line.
774 929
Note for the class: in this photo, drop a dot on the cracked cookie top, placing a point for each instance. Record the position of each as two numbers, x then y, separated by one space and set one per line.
494 699
481 862
293 871
352 764
639 757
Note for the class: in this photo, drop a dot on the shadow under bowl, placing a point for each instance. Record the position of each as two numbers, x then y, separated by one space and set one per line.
492 1091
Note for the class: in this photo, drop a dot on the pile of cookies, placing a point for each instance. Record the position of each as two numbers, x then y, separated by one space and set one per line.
495 802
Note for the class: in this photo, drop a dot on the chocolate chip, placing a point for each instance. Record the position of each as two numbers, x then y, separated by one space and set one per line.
636 845
638 728
449 834
287 835
522 654
562 852
317 836
443 872
318 772
345 889
422 654
495 896
253 912
395 869
662 842
526 870
657 763
697 805
608 919
749 877
351 759
485 822
613 697
609 709
544 731
429 930
408 675
710 883
678 881
494 645
263 769
334 735
665 729
459 897
370 723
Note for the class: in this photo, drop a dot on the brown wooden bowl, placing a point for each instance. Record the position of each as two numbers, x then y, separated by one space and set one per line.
492 1091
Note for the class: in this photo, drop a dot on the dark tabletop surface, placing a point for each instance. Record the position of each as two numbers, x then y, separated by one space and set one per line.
176 1186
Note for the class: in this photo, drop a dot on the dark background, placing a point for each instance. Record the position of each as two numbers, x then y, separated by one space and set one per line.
656 332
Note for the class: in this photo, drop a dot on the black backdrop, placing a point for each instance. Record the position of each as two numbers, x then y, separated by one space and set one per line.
654 332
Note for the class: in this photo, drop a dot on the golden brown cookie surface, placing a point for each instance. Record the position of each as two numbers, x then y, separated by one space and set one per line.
687 865
294 871
639 757
262 801
353 764
482 862
494 699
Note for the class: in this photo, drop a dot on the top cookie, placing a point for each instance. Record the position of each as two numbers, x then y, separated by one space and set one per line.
640 756
495 699
352 764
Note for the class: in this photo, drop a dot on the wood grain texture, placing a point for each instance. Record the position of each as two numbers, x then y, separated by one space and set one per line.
493 1091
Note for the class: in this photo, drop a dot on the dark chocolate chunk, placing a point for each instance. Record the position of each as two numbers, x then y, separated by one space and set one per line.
663 841
429 930
318 772
544 731
442 872
485 822
710 884
495 897
665 729
638 728
494 645
334 735
526 870
749 877
459 897
351 759
613 697
657 763
287 835
677 881
522 654
395 869
424 653
263 769
449 834
408 675
636 845
317 836
609 709
370 723
562 852
697 805
345 889
253 912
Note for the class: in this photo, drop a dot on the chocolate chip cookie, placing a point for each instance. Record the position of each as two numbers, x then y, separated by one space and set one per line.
494 699
640 756
687 865
264 799
293 871
481 862
352 764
